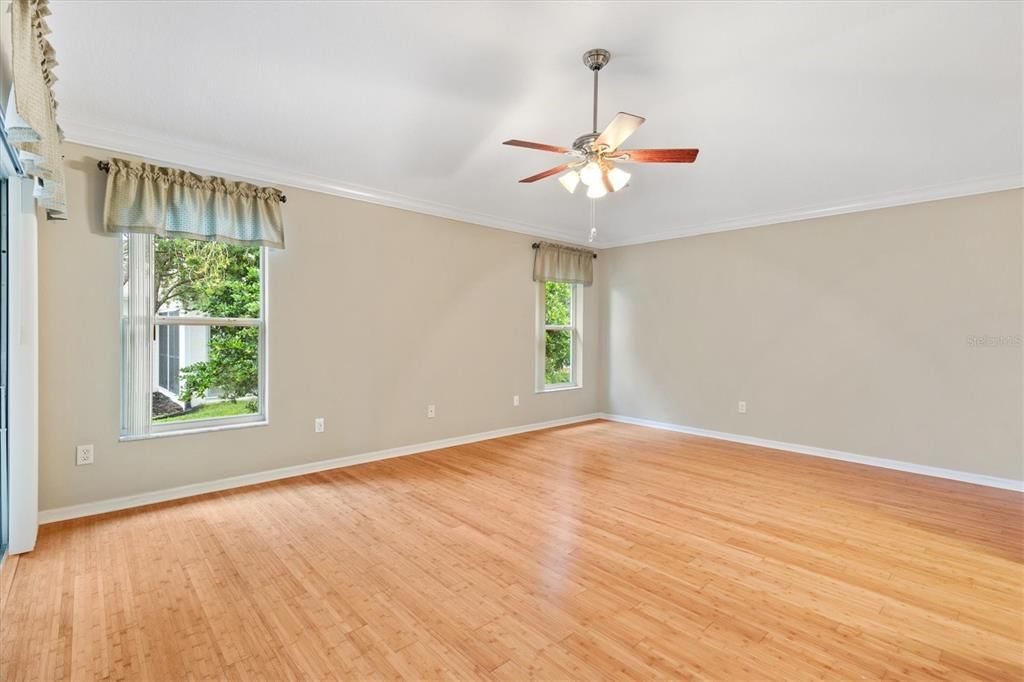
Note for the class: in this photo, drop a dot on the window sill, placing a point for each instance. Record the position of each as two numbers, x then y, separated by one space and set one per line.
558 389
201 429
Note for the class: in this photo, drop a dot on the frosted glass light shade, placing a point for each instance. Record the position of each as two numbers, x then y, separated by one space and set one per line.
569 181
591 174
618 178
597 190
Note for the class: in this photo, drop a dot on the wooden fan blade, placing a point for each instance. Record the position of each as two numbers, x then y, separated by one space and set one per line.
537 145
548 173
661 155
607 182
621 127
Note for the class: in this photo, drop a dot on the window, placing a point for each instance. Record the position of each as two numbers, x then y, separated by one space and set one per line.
559 341
193 335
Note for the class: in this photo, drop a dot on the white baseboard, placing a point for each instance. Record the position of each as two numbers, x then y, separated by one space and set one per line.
118 503
924 470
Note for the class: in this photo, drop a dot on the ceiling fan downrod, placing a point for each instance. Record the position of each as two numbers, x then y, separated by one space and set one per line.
595 60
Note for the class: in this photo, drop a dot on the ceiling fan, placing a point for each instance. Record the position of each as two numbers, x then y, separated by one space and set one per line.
595 155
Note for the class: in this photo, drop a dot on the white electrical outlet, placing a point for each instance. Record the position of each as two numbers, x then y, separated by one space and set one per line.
431 412
742 407
515 401
83 455
318 425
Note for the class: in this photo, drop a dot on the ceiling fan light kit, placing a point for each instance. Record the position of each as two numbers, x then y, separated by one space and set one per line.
595 154
569 181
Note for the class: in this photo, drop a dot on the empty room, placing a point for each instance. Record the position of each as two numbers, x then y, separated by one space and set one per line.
511 340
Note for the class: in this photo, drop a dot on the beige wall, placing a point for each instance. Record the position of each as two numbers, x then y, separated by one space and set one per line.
849 332
449 320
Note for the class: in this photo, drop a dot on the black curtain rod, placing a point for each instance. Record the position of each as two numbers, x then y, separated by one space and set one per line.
536 245
105 167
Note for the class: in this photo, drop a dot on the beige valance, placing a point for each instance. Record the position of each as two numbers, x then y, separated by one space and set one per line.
170 202
31 116
558 263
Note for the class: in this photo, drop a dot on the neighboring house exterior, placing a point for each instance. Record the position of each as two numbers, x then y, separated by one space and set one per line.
177 347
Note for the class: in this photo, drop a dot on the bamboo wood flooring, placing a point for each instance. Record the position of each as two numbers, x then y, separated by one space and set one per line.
594 551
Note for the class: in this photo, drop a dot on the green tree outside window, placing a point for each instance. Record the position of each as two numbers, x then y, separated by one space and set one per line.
558 342
216 280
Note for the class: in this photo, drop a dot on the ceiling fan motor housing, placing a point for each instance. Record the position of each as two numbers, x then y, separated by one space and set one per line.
584 144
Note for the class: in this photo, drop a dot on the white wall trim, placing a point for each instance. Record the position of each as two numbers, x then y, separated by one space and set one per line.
119 503
963 188
909 467
142 499
204 160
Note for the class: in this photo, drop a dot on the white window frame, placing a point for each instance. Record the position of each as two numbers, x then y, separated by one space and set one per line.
576 348
260 417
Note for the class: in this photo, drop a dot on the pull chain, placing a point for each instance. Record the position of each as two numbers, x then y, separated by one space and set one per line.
593 220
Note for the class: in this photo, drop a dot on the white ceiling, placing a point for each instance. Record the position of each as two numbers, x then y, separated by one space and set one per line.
799 109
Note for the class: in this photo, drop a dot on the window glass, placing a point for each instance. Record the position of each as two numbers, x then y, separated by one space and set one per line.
561 339
557 356
206 279
214 373
203 359
558 303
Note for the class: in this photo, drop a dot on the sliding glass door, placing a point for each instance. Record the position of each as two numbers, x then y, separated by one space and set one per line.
5 269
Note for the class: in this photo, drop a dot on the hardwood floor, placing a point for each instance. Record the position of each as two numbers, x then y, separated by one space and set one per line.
598 550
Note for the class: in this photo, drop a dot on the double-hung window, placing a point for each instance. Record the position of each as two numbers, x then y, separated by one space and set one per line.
193 331
559 338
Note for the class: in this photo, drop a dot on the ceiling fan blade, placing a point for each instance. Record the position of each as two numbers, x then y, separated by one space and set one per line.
621 127
548 173
607 182
659 155
537 145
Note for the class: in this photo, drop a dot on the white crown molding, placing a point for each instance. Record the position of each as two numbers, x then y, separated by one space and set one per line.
997 183
898 465
206 161
167 494
214 162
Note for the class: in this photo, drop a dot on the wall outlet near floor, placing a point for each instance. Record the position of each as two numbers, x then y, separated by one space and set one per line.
741 407
515 401
83 455
318 425
431 412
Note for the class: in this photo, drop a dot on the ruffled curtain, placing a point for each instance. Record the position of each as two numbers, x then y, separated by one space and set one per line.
31 116
558 263
170 202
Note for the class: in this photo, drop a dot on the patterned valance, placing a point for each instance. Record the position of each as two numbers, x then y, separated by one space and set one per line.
31 116
558 263
170 202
